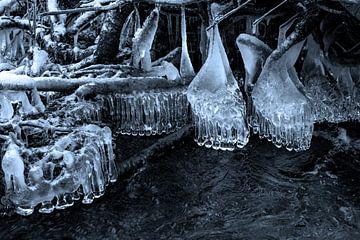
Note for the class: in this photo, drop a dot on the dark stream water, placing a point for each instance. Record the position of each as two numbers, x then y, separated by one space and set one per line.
191 192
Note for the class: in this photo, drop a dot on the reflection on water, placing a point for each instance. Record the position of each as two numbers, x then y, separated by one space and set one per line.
260 192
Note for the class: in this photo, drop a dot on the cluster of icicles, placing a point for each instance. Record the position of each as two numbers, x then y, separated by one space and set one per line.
279 106
149 113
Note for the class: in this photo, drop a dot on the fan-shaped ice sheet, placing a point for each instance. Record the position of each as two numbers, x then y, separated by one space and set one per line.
283 114
216 101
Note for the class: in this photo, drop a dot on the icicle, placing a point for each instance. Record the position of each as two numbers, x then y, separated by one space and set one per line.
203 42
216 101
186 68
6 109
143 41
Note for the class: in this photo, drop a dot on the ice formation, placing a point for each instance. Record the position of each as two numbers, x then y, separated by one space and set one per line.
186 67
147 113
331 88
40 58
81 163
143 41
281 112
254 53
166 69
10 97
216 101
58 21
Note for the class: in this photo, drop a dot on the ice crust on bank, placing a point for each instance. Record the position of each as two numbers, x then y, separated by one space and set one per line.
80 163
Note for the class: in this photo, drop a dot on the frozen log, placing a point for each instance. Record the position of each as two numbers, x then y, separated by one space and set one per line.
125 85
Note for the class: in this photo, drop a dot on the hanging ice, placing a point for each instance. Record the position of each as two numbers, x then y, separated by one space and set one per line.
186 68
323 91
143 41
81 163
216 101
283 113
147 113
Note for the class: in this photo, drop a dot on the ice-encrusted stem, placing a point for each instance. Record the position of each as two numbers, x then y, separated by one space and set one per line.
186 67
143 40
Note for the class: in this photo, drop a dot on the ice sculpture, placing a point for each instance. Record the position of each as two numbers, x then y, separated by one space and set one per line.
283 114
143 41
323 91
186 67
331 87
127 31
147 113
216 101
81 163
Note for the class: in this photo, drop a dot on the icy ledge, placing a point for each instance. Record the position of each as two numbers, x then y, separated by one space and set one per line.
78 164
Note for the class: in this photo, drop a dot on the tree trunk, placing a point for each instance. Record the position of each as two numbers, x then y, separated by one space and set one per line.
108 45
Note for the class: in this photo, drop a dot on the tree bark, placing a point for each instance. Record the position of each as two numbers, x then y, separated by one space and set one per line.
108 45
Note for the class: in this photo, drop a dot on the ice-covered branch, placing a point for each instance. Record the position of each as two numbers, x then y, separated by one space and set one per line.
123 85
7 22
84 9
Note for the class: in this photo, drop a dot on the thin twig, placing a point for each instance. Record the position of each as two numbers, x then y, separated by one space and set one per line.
223 17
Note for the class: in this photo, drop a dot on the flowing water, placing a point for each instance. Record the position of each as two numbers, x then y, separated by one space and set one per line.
191 192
